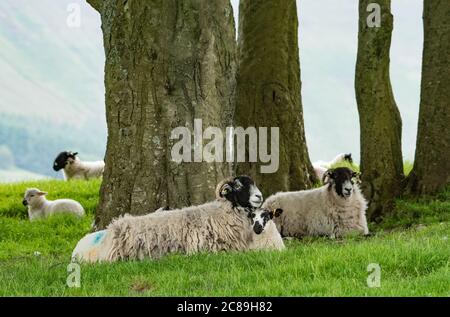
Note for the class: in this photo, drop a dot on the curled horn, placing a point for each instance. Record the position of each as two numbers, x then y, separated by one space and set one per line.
220 187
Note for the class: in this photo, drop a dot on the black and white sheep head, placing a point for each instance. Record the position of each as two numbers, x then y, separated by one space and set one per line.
241 191
348 158
261 217
33 196
63 159
341 180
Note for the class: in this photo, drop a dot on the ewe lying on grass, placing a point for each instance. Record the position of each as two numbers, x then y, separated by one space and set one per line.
265 233
334 209
74 168
95 247
223 224
40 207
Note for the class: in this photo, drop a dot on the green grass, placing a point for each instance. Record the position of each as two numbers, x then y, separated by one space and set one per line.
414 259
419 211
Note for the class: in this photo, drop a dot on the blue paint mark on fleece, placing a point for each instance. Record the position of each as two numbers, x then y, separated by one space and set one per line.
98 237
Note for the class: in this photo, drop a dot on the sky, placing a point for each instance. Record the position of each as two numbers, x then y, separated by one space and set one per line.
328 33
327 45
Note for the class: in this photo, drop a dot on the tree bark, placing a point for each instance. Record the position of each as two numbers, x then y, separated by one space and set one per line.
380 121
168 62
268 90
431 171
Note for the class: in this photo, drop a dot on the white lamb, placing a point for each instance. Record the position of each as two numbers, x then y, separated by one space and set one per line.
74 168
333 210
266 235
320 167
40 207
219 225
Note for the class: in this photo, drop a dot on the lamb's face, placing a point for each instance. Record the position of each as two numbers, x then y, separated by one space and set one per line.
341 180
241 191
32 196
63 159
261 217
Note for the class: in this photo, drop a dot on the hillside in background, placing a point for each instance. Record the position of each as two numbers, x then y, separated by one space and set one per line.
52 91
51 88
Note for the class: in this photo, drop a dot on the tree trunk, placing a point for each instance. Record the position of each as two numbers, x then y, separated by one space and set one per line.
168 62
431 171
380 121
268 91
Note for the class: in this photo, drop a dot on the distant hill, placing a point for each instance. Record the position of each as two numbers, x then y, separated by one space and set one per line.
18 175
52 91
51 88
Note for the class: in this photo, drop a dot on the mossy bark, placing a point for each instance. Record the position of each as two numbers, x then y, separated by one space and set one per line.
380 121
431 171
268 90
167 63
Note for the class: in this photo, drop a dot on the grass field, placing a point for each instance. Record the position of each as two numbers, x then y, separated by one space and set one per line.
411 247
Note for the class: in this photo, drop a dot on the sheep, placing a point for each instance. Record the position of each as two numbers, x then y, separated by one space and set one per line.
222 224
39 207
74 168
266 235
95 247
333 210
320 167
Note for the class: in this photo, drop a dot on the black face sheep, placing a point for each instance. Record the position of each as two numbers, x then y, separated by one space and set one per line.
219 225
74 168
333 210
320 167
40 207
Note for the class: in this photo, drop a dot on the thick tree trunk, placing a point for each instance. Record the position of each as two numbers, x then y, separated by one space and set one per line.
168 62
268 90
380 121
431 171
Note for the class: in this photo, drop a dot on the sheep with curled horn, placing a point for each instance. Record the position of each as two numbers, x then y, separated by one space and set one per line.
219 225
334 210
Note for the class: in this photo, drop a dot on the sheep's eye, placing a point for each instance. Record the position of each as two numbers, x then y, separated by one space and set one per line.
31 196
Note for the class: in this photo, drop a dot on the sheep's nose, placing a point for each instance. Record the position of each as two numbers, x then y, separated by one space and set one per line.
259 196
257 228
25 202
348 190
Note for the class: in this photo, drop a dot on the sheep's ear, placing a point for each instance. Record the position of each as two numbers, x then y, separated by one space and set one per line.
42 193
75 154
357 176
277 212
329 175
237 184
225 190
348 157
